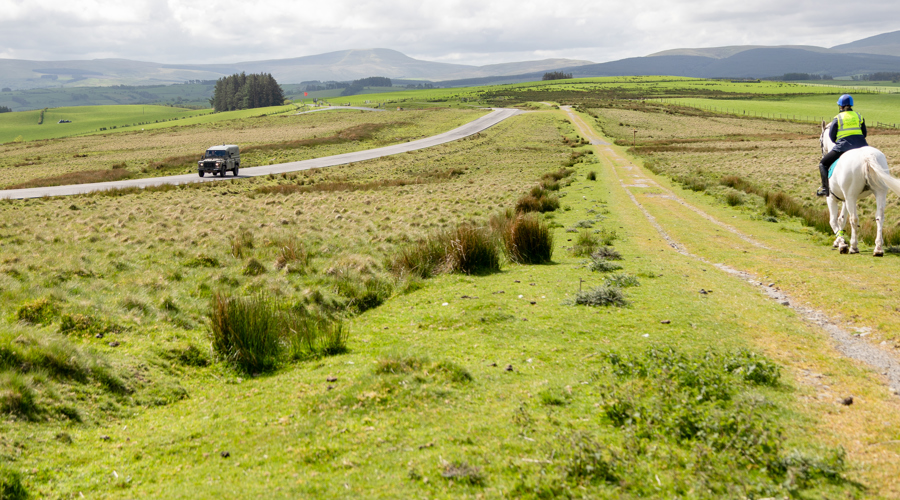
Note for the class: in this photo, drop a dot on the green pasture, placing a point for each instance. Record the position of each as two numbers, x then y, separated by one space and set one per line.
105 119
875 108
185 95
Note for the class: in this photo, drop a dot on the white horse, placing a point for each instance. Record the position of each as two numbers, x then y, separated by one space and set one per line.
859 173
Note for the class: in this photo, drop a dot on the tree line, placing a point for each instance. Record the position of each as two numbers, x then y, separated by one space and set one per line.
243 91
792 77
556 75
5 109
358 86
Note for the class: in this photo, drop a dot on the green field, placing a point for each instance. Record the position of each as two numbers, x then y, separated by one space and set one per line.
632 365
106 119
183 95
875 108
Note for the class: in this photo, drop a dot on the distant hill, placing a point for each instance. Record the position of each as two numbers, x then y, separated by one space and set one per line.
342 65
886 44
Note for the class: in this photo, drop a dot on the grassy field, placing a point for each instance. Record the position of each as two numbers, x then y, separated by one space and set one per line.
878 109
194 95
494 385
174 150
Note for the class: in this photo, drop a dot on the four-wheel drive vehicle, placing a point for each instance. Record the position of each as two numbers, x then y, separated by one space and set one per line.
220 159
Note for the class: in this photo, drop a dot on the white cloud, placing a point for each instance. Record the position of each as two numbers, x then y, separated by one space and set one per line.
462 31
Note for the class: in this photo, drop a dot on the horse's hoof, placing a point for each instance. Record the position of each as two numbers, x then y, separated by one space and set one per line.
844 249
878 254
854 250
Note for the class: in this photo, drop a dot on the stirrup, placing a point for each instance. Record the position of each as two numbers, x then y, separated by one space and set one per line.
822 192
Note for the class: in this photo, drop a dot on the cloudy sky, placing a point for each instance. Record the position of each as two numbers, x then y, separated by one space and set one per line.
460 31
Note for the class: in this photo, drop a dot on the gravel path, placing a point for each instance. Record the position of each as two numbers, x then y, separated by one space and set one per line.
473 127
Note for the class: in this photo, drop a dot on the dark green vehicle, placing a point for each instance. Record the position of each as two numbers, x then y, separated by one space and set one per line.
220 159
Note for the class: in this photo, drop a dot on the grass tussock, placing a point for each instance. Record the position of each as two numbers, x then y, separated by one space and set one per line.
255 334
83 177
526 238
11 485
601 296
473 250
586 243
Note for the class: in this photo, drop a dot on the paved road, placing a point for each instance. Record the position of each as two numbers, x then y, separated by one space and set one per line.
473 127
326 108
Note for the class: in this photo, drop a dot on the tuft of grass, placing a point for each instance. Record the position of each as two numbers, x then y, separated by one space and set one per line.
245 332
585 244
527 239
591 176
462 472
253 268
734 198
473 250
423 259
292 256
17 396
203 261
241 242
11 487
601 296
541 203
37 312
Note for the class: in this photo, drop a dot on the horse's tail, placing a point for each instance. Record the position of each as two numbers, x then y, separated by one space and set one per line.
882 173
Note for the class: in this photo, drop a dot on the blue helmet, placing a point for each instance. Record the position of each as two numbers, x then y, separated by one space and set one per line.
845 100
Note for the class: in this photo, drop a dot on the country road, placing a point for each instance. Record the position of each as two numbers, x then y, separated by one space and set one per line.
473 127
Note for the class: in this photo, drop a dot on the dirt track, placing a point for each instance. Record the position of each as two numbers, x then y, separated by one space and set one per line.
633 180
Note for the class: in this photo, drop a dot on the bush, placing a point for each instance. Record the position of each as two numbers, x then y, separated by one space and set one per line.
621 281
601 296
602 265
245 332
591 176
527 240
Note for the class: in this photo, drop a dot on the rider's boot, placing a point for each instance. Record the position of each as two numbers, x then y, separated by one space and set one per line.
823 171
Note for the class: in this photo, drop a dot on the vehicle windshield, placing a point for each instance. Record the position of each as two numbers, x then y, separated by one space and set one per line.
212 153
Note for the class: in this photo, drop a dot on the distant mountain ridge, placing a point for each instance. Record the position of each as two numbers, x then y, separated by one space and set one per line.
342 65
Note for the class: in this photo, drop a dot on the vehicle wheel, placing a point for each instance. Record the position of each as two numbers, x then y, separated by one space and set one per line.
235 171
200 172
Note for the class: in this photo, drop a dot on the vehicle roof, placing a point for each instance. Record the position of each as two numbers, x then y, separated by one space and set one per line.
223 147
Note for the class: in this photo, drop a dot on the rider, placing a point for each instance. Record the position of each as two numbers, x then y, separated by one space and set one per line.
848 131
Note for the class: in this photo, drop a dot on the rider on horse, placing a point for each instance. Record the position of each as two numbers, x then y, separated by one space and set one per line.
848 131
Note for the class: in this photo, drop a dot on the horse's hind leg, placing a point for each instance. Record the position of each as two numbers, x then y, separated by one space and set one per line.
880 201
850 205
837 218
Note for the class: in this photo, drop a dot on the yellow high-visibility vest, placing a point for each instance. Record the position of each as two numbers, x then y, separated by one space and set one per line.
849 123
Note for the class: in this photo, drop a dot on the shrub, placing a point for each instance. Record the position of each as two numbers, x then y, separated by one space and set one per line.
37 312
621 281
245 332
601 296
472 250
527 240
591 176
585 244
606 252
602 265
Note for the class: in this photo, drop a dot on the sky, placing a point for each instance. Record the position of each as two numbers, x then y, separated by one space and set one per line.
473 32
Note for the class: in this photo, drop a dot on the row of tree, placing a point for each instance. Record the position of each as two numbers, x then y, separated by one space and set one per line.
5 109
792 77
881 77
556 75
243 91
358 86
